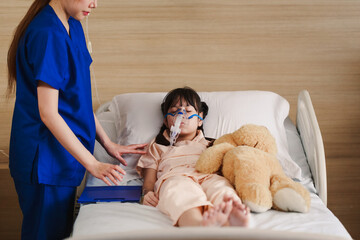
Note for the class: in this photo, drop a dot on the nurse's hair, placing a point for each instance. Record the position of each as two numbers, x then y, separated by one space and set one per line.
34 9
186 94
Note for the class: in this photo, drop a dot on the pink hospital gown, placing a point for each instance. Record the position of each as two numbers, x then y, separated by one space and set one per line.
179 186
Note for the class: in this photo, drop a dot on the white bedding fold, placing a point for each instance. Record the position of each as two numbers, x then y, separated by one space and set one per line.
119 218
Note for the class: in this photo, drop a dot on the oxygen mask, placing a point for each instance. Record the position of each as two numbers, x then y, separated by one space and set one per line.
180 116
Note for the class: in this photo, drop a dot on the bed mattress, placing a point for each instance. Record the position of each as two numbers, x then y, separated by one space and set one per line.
124 219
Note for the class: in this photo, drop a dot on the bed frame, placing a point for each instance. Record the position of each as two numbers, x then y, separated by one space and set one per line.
308 128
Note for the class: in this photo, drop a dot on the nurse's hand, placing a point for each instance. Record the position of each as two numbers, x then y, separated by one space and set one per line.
116 150
150 199
105 171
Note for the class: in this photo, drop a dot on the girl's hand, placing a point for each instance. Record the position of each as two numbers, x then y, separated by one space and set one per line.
102 170
150 199
116 150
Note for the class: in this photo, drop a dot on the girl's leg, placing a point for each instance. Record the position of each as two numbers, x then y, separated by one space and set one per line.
218 189
179 194
183 200
47 210
191 217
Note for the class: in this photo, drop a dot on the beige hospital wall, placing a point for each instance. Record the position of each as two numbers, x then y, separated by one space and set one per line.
211 45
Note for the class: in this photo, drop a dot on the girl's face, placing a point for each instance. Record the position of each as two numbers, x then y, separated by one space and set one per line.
79 9
188 126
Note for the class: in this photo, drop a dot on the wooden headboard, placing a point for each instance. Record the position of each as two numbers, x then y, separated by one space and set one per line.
216 45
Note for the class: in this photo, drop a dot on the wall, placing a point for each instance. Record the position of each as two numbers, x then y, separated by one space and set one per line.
280 46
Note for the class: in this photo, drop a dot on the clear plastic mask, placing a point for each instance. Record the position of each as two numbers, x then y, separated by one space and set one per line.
180 116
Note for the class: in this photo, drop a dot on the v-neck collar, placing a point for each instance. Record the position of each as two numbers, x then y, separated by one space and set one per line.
61 25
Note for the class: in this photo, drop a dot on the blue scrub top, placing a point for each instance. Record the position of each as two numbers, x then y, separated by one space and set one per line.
46 52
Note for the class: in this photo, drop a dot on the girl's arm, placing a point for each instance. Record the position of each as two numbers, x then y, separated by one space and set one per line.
150 197
113 149
48 108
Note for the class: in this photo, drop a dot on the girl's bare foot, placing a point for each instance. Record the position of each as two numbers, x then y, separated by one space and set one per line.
218 215
239 215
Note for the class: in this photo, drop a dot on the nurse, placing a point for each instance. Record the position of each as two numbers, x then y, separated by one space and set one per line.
54 128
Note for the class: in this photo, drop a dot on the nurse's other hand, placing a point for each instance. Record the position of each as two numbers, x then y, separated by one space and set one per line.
116 150
151 199
105 171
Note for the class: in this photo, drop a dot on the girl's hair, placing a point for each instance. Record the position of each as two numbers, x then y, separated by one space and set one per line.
188 95
34 9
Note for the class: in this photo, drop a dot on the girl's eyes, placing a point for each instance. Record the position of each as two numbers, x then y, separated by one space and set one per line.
173 110
190 109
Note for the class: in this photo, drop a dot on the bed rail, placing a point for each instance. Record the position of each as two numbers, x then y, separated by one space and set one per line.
308 127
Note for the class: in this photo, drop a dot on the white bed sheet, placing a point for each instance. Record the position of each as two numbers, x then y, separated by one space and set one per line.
119 218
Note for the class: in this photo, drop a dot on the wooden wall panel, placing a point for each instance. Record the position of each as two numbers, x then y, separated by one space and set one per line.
10 213
211 45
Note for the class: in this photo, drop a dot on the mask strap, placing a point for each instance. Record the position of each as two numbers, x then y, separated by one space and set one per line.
171 114
196 115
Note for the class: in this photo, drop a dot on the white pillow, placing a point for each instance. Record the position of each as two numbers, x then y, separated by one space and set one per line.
138 118
106 119
296 149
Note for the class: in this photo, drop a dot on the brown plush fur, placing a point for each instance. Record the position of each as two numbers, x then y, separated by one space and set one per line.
247 158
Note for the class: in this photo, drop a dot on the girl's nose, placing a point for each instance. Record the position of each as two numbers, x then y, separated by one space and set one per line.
93 4
181 109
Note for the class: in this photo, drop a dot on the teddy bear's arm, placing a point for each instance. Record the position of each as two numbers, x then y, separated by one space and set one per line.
211 159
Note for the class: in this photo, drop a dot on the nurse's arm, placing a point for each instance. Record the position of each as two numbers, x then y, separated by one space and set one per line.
113 149
48 108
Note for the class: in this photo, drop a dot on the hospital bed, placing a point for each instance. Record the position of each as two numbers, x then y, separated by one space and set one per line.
136 118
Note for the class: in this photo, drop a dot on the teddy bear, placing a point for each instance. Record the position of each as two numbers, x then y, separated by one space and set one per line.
247 158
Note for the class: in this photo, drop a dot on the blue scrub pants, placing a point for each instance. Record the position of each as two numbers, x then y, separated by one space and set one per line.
47 210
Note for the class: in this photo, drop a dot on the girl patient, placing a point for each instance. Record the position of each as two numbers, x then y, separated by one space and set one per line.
171 182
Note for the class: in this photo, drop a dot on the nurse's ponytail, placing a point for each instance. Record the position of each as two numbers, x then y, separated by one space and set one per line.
34 9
